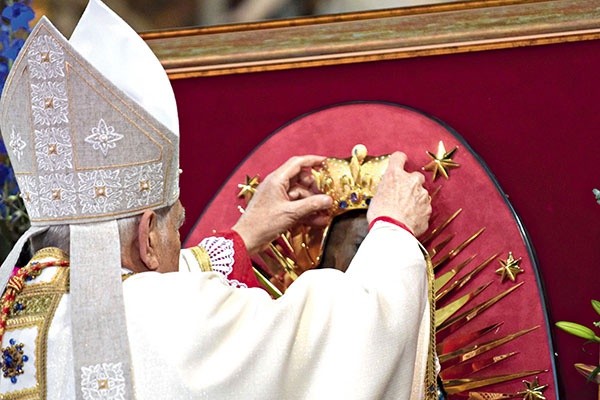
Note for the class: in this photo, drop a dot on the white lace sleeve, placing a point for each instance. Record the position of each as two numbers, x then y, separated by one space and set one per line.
222 257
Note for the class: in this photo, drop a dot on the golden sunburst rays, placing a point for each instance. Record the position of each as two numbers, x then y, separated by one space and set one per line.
434 233
469 368
466 356
461 320
461 351
456 342
442 279
442 314
455 386
472 356
457 250
441 162
459 283
533 391
470 352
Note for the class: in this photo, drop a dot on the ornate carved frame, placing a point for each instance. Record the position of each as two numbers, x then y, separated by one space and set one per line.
373 36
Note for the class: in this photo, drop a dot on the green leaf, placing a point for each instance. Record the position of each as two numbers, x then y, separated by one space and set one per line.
596 306
578 330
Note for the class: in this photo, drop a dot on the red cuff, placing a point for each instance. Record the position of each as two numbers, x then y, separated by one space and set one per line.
242 266
391 221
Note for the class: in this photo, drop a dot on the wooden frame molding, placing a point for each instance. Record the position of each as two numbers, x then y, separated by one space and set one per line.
373 36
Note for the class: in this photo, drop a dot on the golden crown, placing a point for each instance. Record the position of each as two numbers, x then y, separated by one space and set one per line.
351 182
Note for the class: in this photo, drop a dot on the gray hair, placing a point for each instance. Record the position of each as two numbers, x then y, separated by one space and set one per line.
59 235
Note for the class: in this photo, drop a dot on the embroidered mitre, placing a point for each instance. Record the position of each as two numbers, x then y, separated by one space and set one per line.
82 149
92 133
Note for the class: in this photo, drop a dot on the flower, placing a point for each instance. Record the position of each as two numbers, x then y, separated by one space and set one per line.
10 52
582 331
14 28
589 335
19 15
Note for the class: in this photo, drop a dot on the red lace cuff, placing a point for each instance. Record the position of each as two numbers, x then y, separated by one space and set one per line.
242 268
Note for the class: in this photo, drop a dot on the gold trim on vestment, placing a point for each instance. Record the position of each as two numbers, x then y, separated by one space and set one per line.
202 258
431 387
39 301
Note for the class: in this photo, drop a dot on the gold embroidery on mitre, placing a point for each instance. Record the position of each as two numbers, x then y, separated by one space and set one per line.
59 83
351 182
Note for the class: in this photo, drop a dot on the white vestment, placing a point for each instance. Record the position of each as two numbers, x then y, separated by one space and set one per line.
332 335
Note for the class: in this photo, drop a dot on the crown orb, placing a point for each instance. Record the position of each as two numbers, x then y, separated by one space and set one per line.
360 152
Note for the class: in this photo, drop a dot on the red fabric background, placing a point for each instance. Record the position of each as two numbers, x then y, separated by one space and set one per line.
530 113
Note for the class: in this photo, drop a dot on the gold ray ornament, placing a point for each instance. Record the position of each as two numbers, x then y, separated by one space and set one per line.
534 390
469 369
492 396
441 161
509 268
464 339
247 189
456 251
454 386
439 229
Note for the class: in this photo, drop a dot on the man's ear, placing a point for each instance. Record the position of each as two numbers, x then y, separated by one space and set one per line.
149 239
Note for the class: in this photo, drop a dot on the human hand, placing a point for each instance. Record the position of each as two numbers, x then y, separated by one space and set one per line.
401 195
285 197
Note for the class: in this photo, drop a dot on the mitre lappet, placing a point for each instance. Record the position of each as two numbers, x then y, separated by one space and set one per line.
92 132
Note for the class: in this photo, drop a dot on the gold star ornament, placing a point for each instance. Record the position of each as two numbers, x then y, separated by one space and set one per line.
441 162
509 268
534 391
247 189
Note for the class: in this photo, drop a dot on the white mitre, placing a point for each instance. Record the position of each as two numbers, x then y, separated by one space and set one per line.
91 129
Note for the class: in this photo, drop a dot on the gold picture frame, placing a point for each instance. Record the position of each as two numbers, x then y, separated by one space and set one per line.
373 36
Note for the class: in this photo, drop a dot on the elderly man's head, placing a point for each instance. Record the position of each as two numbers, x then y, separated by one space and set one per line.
149 241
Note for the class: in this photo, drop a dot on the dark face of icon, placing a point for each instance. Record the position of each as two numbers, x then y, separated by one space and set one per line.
346 233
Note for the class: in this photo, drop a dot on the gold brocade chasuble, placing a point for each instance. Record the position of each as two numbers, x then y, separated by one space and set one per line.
28 307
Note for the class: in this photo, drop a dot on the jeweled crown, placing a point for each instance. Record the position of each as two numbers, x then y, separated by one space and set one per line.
351 182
